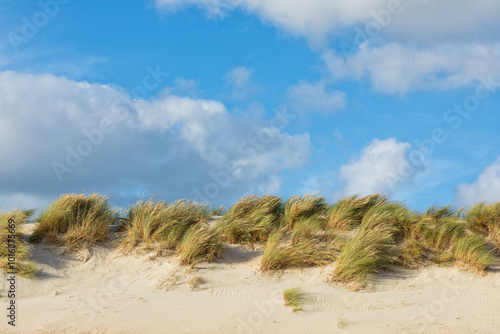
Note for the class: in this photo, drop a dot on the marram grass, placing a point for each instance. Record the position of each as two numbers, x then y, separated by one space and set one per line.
279 253
472 252
349 211
365 235
200 242
75 221
484 219
295 298
300 207
180 226
251 219
23 250
370 250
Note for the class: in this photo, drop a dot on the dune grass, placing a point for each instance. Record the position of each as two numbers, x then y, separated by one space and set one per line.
305 228
369 251
349 211
251 220
23 250
152 221
200 242
309 206
280 253
472 252
484 219
295 298
180 226
75 220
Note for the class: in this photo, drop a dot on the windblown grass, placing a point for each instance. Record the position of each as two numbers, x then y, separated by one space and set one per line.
438 212
294 297
75 221
251 219
484 219
349 211
472 251
309 206
305 228
158 222
180 226
200 242
370 250
279 253
445 233
23 250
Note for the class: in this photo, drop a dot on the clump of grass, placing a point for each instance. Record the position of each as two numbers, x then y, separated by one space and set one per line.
180 226
349 211
295 298
23 250
279 253
75 221
251 219
198 243
306 206
484 219
195 282
445 233
158 222
369 251
472 252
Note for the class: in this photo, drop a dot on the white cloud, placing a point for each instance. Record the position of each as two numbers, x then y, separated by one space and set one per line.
169 145
381 168
306 97
420 44
419 20
395 68
239 79
485 189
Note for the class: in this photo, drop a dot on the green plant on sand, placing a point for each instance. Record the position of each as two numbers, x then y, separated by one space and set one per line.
75 221
11 241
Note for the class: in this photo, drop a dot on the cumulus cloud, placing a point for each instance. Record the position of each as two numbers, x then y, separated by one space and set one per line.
316 19
409 45
94 137
381 167
395 68
485 189
306 97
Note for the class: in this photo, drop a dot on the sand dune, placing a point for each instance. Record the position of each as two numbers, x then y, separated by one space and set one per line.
107 292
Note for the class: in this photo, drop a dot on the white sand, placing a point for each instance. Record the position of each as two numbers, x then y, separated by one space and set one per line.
111 293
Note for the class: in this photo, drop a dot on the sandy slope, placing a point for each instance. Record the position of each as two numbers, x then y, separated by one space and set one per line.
106 292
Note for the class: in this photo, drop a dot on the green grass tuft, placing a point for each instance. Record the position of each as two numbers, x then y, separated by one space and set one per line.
472 252
280 253
23 250
294 297
200 242
250 220
306 206
75 221
181 226
484 219
349 211
369 251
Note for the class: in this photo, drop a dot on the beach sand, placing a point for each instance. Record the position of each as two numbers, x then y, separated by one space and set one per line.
104 291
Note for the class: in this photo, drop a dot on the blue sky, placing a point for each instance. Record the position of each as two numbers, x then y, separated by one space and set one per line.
217 99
